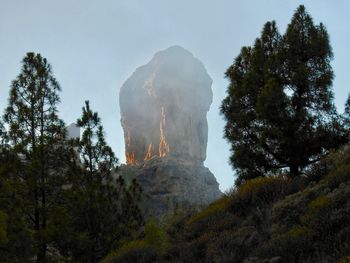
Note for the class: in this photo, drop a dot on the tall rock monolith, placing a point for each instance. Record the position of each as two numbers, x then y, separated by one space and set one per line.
163 114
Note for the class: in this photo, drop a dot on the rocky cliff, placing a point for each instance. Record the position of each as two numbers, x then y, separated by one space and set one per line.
164 106
163 113
169 184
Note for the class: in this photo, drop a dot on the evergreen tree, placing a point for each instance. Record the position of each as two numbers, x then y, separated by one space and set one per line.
17 244
37 141
2 136
103 210
247 76
347 112
279 107
15 239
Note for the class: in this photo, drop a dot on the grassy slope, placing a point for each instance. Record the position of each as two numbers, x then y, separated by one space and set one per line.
270 219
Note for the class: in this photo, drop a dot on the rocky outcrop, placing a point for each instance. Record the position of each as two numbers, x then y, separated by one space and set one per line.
169 184
164 105
163 114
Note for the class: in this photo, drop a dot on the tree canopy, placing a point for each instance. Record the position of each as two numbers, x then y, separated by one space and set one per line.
279 107
34 165
103 210
60 200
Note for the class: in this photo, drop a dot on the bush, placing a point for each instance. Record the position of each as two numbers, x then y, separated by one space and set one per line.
233 245
212 210
317 210
196 249
344 260
293 246
339 175
258 192
134 251
333 167
3 228
156 237
286 213
298 231
149 249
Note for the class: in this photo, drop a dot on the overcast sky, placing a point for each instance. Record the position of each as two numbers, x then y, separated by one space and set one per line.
94 46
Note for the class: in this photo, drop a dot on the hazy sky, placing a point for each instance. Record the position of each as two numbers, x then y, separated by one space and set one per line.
94 46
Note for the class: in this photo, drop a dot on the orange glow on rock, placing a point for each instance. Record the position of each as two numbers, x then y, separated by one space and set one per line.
149 153
130 158
163 145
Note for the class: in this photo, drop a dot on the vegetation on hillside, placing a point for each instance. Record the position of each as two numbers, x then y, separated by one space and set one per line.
266 219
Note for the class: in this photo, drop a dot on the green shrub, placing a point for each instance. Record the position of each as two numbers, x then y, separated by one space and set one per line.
233 245
212 210
149 249
255 185
317 210
156 237
339 175
293 246
196 250
298 231
134 251
287 212
328 164
258 192
176 226
3 228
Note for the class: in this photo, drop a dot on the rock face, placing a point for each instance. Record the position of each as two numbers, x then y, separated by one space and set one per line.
169 183
163 113
164 106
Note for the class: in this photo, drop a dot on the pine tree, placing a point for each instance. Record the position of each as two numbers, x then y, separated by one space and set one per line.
17 246
247 76
279 107
15 238
104 211
37 140
2 135
347 112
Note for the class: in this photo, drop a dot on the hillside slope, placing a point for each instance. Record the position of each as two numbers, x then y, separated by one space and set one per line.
268 219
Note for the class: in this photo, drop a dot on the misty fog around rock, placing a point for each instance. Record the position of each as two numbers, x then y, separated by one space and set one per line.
164 106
